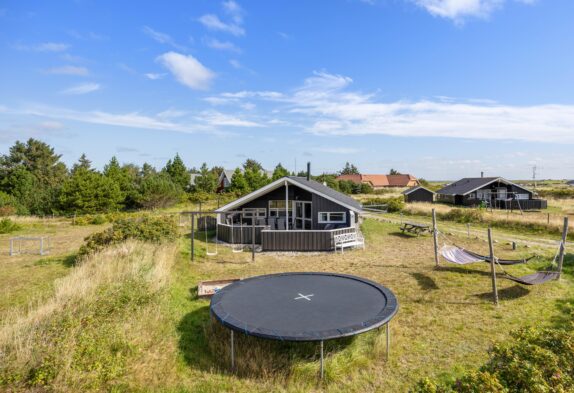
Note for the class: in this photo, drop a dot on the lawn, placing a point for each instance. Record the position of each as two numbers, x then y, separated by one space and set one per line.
445 324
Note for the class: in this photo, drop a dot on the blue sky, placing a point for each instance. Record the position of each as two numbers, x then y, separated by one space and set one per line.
438 88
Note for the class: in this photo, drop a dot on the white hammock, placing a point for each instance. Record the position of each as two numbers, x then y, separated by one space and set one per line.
458 255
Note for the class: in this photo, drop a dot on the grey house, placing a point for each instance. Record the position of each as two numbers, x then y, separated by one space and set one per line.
495 192
419 194
289 214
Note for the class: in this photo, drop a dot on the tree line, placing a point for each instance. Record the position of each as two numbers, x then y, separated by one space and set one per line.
34 180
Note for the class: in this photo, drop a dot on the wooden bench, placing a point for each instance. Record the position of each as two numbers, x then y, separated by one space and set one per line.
351 239
414 228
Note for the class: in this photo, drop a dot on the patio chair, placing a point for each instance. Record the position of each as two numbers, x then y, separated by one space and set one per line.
272 222
260 222
281 224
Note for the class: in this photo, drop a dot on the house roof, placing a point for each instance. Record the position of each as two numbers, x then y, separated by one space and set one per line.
302 182
380 180
469 184
413 189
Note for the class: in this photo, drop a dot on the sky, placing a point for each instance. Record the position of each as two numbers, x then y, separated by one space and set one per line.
441 89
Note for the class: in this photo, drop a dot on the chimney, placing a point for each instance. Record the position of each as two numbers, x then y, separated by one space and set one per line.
309 170
481 174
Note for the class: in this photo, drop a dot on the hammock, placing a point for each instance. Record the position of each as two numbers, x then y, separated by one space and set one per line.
534 278
461 256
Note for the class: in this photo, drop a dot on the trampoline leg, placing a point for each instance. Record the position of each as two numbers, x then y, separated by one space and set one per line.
322 368
388 340
232 352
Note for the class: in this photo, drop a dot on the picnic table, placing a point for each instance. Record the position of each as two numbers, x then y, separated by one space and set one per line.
414 228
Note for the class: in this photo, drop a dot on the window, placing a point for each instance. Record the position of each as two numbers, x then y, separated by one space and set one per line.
250 212
277 209
332 217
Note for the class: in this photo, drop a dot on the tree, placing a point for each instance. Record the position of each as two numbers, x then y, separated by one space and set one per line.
350 169
255 178
147 170
394 172
206 181
366 188
89 191
125 177
178 172
252 165
158 190
279 172
83 163
238 183
33 174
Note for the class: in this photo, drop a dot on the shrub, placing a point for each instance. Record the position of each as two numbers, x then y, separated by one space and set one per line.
151 229
463 216
394 205
8 226
534 360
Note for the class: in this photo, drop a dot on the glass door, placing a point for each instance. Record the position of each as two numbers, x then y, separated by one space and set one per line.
302 218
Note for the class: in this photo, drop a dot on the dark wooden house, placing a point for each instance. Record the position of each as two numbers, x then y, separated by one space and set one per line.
495 192
290 214
419 194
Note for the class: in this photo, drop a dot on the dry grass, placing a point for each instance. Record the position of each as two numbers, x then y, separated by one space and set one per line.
58 343
164 340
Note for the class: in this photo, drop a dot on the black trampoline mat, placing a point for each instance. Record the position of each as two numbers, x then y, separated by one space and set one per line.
304 306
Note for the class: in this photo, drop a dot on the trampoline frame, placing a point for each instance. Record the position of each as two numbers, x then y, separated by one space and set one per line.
384 322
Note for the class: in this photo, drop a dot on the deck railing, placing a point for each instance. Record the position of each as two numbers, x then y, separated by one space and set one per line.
301 240
237 234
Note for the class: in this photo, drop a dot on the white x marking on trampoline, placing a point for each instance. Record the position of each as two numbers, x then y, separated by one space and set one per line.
306 297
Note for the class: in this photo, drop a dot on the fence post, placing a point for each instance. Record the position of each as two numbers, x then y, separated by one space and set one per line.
492 267
548 219
435 237
562 246
468 230
192 215
253 239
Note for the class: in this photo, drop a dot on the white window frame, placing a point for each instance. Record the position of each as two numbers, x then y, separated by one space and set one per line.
279 211
330 220
248 212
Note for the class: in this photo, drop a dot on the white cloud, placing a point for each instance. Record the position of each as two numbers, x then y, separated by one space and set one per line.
187 70
325 105
221 119
212 22
172 113
162 38
83 88
458 10
235 64
154 76
44 47
68 70
234 10
221 45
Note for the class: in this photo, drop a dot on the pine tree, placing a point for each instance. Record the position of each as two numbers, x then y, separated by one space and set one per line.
350 169
83 163
279 172
238 183
178 172
206 181
88 191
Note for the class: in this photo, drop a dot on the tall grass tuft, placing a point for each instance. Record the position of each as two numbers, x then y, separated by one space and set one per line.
81 338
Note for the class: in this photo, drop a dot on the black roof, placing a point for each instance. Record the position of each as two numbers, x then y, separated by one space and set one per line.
413 189
328 191
469 184
304 306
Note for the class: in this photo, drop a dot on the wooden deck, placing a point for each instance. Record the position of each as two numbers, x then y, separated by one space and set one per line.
275 240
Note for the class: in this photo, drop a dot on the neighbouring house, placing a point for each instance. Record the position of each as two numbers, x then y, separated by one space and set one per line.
419 194
290 214
570 183
495 192
382 181
224 180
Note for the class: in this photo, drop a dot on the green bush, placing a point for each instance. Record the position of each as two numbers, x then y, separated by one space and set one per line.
558 193
147 228
463 216
8 226
533 360
394 205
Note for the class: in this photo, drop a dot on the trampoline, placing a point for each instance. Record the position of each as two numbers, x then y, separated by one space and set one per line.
304 307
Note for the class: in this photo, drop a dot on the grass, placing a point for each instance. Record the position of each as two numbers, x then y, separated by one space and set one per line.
152 333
